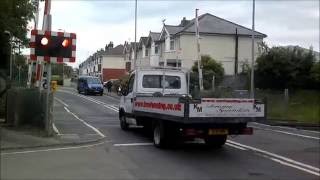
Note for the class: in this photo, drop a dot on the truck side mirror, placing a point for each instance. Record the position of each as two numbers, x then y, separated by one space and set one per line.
124 91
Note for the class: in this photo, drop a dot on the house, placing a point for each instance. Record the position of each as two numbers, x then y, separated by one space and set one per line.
107 64
225 41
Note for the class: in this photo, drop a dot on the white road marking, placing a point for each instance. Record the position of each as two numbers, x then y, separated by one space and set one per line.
85 123
51 149
134 144
288 128
55 129
288 160
234 146
289 133
113 108
66 109
60 101
294 166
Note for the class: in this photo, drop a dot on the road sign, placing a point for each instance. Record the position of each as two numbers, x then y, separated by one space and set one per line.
52 47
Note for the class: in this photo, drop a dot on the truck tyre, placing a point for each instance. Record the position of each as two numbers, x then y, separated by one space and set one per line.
123 123
215 141
159 136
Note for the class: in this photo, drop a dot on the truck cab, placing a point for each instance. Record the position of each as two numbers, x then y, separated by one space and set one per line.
152 82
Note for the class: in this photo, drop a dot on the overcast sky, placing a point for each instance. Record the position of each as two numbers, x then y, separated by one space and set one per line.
96 22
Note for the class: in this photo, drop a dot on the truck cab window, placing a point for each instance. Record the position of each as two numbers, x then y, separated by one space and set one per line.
155 81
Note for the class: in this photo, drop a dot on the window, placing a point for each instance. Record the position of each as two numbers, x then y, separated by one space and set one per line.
147 52
130 84
174 62
171 44
155 81
93 81
156 49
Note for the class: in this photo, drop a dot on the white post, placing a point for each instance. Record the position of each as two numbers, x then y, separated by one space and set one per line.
47 27
252 53
213 79
198 51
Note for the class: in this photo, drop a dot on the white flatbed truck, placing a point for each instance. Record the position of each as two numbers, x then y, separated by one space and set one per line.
158 99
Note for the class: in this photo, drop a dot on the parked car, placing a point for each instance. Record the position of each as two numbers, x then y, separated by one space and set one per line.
90 85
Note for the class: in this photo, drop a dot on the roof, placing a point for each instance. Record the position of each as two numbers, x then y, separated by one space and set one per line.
143 40
173 29
211 24
118 50
154 35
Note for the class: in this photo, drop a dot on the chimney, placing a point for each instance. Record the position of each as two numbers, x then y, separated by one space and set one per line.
106 47
184 21
110 45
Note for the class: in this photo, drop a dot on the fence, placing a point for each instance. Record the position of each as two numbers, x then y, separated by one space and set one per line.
297 105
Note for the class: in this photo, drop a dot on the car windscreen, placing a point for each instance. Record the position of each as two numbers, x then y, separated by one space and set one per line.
93 81
155 81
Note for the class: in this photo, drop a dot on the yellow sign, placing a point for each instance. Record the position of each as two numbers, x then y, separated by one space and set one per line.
54 86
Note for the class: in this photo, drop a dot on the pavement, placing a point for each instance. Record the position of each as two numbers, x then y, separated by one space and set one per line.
272 152
72 131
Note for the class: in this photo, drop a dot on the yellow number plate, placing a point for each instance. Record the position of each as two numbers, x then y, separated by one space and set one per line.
218 131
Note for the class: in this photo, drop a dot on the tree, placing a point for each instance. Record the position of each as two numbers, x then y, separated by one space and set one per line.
315 75
284 67
14 18
210 68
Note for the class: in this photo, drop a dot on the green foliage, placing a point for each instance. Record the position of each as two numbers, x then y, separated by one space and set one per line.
14 18
315 73
210 68
285 67
303 105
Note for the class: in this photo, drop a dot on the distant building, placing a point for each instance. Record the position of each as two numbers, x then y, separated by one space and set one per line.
107 64
175 45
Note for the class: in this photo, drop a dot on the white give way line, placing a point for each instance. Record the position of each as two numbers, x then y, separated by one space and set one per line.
81 120
278 158
111 107
289 133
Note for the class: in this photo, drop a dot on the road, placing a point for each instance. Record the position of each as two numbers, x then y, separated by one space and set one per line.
271 153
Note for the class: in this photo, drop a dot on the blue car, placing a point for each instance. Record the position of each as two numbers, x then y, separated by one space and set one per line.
90 85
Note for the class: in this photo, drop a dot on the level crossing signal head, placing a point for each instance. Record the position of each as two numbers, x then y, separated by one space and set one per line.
53 46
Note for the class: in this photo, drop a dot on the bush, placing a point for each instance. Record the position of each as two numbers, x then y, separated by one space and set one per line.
285 67
210 68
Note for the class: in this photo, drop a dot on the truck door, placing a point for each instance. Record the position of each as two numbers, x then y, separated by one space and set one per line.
128 99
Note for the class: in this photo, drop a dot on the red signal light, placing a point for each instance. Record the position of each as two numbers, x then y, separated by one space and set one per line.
44 41
65 43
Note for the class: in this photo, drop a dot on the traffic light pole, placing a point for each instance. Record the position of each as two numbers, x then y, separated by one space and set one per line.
47 27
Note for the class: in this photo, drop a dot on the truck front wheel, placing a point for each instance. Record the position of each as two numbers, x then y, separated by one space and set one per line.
123 123
215 141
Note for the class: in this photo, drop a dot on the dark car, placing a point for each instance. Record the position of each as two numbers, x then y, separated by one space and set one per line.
90 85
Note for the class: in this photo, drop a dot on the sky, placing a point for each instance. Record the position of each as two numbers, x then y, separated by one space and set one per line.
97 22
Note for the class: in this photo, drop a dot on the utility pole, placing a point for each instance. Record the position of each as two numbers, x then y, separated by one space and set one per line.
252 52
198 52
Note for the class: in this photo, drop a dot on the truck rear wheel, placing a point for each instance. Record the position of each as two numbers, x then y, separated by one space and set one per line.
215 141
123 123
160 138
